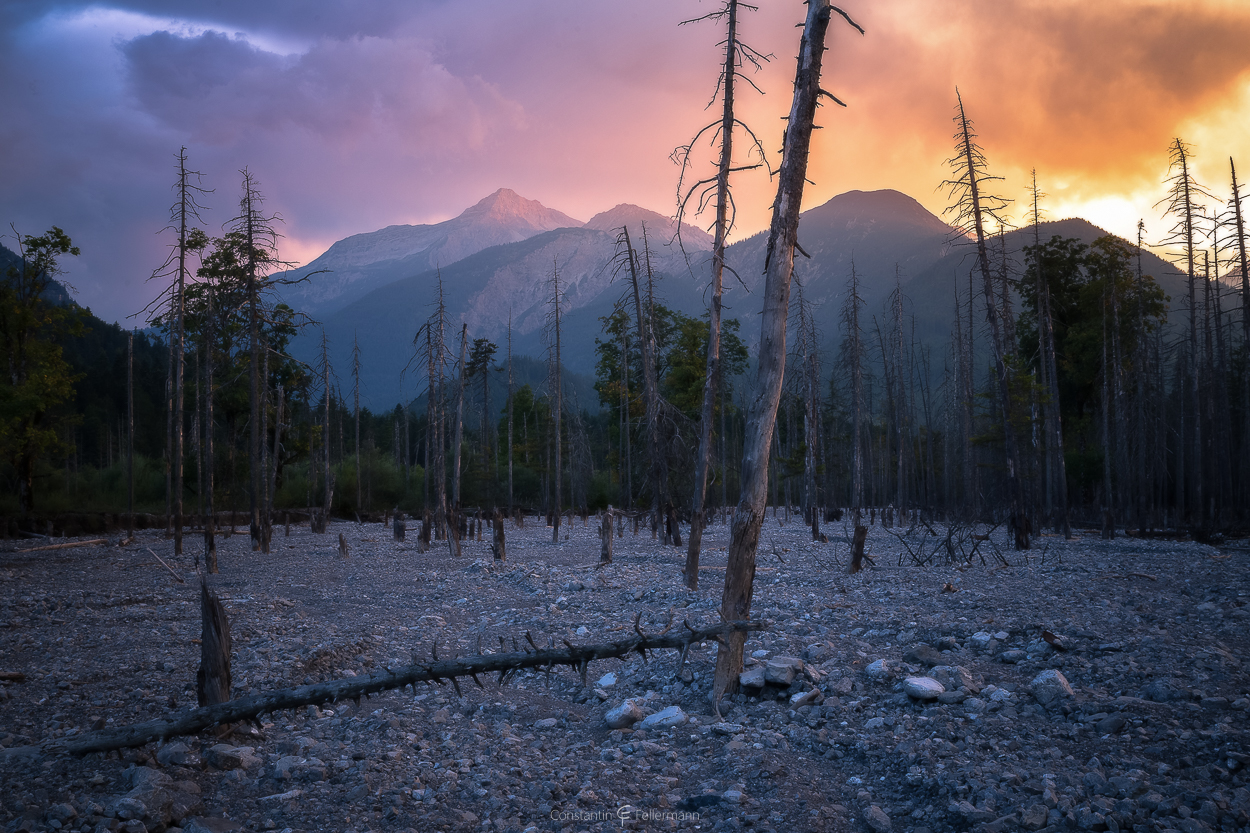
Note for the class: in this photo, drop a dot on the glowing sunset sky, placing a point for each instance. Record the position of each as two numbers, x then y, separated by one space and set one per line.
355 116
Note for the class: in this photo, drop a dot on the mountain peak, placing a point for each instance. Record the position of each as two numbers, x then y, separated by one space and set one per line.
507 206
660 228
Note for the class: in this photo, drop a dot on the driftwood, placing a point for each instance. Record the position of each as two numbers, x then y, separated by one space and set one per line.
64 546
12 676
437 671
177 577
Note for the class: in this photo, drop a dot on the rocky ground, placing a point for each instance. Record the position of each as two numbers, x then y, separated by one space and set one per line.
1087 684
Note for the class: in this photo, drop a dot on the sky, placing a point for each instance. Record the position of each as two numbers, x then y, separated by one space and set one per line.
353 116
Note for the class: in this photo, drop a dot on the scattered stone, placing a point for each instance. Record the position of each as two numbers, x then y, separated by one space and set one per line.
1051 688
925 655
623 716
877 820
782 670
665 718
922 688
878 670
752 678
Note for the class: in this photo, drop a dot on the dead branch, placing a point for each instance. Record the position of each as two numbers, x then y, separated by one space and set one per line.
177 577
65 545
251 708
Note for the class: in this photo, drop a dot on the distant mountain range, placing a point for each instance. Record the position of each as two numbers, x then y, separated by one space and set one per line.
497 259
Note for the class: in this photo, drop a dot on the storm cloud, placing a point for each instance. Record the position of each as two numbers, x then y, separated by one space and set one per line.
355 116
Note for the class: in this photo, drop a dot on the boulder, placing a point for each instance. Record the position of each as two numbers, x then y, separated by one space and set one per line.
1051 688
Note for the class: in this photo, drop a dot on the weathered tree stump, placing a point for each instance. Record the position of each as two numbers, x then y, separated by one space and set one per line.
399 526
424 539
212 681
605 537
498 547
857 548
343 549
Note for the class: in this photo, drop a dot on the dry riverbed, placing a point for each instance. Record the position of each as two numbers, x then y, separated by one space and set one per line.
1088 685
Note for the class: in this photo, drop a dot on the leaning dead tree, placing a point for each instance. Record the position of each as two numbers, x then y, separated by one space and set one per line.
762 409
557 398
505 664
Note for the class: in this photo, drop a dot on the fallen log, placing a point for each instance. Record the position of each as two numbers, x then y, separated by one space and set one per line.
64 546
438 671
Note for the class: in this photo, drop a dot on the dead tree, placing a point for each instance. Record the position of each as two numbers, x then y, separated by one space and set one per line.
212 681
762 410
557 394
458 440
853 361
657 469
577 657
972 208
735 53
1183 203
184 213
400 526
1055 465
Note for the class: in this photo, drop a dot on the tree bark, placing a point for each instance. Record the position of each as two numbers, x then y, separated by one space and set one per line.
762 411
212 682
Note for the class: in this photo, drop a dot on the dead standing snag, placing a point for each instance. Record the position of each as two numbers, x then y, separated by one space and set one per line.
762 410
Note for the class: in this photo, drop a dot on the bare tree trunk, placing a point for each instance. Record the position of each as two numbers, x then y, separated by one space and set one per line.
762 413
558 393
212 682
210 518
605 537
356 415
510 500
650 385
704 459
130 435
328 499
998 332
458 441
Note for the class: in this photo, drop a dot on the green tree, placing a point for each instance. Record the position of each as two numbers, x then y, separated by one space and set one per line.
37 378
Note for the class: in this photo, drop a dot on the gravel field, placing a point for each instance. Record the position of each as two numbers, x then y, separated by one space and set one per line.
1084 685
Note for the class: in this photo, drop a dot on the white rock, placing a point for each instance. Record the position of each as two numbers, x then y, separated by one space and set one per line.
922 688
665 718
624 715
607 679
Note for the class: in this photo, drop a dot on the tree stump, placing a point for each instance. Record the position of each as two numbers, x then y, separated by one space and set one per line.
212 681
423 541
605 537
498 547
399 526
343 550
857 548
